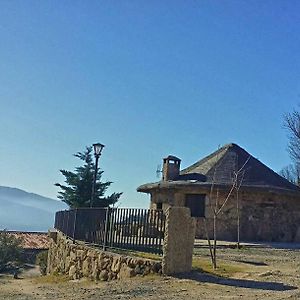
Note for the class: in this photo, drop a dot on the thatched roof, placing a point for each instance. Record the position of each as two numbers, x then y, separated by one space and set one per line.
219 167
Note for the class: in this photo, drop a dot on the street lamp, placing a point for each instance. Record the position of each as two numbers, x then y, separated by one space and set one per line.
97 152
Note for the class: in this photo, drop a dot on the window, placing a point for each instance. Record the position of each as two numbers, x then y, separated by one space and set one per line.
159 205
196 203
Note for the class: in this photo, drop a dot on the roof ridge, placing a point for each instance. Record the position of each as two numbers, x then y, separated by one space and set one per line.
208 157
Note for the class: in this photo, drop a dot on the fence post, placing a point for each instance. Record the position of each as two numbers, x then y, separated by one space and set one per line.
106 229
67 229
74 226
111 225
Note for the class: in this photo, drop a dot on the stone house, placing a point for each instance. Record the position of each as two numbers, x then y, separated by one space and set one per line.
268 205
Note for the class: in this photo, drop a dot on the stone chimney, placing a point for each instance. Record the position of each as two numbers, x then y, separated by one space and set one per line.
171 168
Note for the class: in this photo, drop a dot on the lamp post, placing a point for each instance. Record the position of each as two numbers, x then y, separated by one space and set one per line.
97 152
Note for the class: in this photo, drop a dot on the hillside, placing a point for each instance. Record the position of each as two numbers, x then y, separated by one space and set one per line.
20 210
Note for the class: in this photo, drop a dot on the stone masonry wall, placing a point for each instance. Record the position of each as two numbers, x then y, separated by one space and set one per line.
78 261
264 215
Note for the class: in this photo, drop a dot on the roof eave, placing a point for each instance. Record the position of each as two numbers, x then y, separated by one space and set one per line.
151 187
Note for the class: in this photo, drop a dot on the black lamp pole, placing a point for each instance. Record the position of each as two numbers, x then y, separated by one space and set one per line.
97 152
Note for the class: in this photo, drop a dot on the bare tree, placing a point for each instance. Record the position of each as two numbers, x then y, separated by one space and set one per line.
291 173
219 203
292 125
238 180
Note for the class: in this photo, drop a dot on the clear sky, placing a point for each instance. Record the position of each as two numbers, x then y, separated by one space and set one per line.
145 78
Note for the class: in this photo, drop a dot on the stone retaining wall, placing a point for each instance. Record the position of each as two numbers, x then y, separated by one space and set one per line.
76 261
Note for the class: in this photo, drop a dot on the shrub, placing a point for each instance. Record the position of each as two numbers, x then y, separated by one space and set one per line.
10 250
41 260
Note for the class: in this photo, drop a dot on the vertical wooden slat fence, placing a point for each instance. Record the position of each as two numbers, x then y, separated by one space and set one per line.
124 228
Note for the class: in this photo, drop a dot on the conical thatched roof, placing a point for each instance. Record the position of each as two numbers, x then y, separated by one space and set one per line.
219 168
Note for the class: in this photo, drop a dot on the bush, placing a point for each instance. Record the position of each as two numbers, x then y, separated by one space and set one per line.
41 260
10 250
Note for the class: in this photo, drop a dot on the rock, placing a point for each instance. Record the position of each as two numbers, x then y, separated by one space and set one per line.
94 270
95 274
104 263
112 276
156 267
78 265
86 267
126 272
146 270
91 254
16 273
131 262
94 264
81 254
116 264
103 275
101 255
67 263
72 256
72 272
138 270
53 235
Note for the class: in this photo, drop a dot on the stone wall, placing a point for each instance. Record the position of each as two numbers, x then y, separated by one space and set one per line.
264 215
79 260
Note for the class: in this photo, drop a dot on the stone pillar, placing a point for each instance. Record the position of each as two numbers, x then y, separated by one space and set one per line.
53 236
178 241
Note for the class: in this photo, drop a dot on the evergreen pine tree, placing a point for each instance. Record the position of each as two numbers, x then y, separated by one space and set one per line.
78 189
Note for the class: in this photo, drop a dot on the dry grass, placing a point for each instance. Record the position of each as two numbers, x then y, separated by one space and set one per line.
224 268
51 279
145 255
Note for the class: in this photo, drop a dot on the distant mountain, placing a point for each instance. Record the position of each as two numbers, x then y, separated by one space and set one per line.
20 210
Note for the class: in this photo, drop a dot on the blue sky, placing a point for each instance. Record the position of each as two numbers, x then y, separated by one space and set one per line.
147 79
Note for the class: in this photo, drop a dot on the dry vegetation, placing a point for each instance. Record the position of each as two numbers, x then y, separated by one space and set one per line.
248 273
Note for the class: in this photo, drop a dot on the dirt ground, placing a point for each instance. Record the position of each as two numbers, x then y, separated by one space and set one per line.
253 272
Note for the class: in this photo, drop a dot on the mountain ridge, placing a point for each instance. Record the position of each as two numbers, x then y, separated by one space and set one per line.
27 211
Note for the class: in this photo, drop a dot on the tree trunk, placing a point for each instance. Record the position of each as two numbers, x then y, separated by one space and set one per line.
215 242
209 243
238 218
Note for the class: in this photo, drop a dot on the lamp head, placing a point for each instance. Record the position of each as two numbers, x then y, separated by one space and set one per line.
98 149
